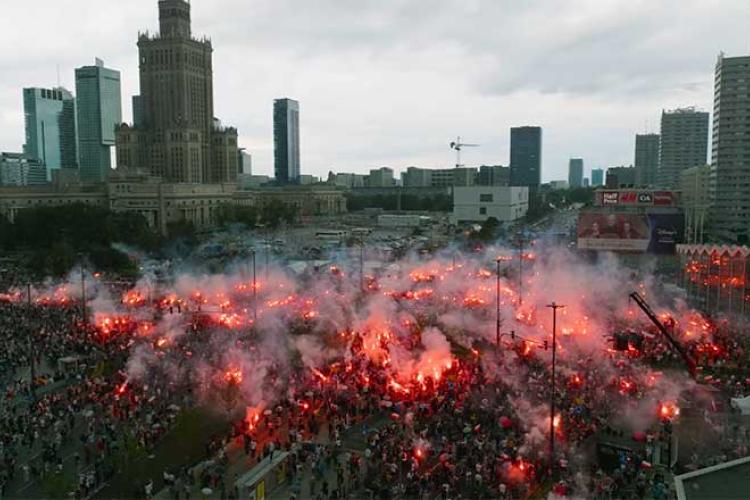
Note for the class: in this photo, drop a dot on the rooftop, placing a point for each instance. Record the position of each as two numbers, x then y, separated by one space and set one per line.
727 480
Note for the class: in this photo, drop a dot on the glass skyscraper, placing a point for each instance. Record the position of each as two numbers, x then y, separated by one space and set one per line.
286 141
50 120
99 112
526 157
597 177
575 173
647 159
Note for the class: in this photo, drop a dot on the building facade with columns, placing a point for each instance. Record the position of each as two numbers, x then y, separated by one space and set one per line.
161 203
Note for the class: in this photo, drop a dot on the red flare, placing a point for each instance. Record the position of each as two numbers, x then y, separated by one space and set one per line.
233 376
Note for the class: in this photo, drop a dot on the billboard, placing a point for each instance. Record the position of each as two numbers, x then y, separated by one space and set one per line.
625 232
637 198
667 231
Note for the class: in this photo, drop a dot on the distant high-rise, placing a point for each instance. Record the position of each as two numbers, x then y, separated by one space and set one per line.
493 175
286 141
620 177
597 177
730 159
50 118
526 157
99 112
575 173
684 144
646 159
175 134
16 169
381 177
245 163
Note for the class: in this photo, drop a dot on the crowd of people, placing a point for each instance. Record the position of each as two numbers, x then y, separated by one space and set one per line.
77 419
476 429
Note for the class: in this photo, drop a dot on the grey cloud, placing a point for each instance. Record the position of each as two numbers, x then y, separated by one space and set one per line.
391 81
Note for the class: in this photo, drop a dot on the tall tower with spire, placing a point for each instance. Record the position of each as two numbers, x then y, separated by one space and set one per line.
175 135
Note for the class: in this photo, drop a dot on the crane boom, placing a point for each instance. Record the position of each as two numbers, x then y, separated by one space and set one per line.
458 146
689 361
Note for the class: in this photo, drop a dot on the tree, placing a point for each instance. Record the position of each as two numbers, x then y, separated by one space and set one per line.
276 211
489 230
7 236
238 214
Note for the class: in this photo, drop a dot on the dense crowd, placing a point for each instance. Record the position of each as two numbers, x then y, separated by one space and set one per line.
478 429
77 418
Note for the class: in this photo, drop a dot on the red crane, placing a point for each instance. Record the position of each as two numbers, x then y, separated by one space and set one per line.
689 361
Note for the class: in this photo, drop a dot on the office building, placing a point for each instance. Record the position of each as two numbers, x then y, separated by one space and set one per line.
575 173
175 135
479 203
586 182
558 185
286 141
696 201
246 181
526 157
684 144
99 113
416 177
244 162
16 169
620 177
381 177
307 180
162 203
50 120
347 181
730 158
597 177
495 175
646 159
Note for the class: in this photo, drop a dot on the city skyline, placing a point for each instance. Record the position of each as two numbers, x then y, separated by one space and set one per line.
408 93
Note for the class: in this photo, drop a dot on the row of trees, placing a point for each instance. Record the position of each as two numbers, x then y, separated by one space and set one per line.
270 215
53 239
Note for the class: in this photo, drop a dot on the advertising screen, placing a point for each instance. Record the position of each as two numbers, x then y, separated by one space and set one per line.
667 231
616 232
654 233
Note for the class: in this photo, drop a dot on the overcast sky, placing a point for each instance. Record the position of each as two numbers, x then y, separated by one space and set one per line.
392 82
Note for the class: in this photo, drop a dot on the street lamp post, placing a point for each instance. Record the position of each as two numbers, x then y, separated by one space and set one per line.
554 306
32 372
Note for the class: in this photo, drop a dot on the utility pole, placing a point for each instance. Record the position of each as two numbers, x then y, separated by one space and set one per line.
554 306
267 252
520 269
32 372
255 292
362 264
497 307
83 295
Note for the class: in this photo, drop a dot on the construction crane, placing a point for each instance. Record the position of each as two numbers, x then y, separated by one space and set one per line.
689 361
458 146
